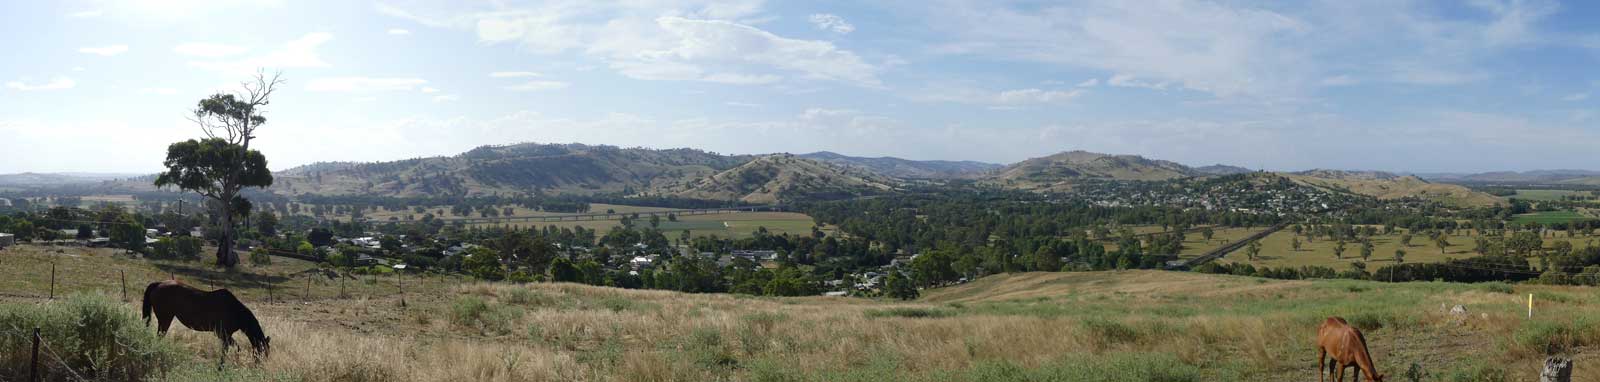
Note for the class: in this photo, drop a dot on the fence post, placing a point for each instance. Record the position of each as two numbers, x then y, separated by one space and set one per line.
124 276
400 279
52 280
33 364
308 288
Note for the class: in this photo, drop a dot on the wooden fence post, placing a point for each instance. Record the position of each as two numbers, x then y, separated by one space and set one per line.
124 276
400 279
52 280
33 365
308 288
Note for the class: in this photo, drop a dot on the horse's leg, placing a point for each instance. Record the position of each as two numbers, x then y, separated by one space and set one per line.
1339 378
1357 371
165 321
1322 363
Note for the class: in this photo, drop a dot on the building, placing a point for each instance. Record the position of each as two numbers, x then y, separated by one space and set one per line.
7 240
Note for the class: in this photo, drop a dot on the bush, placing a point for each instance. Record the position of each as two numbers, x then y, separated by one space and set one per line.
1548 337
1111 332
93 334
259 256
910 313
1498 287
474 312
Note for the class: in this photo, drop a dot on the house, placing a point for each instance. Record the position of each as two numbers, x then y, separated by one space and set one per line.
363 260
366 241
838 293
7 240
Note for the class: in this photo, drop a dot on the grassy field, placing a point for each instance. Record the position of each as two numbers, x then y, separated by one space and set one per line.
1549 217
1193 243
735 225
1096 326
1277 250
1546 194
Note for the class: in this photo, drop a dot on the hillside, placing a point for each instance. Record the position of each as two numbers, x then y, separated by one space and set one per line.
771 178
1384 185
1085 326
1221 169
1059 170
905 168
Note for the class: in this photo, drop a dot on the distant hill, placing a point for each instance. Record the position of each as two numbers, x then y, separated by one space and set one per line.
1221 169
772 178
57 179
1383 185
906 168
1060 170
1532 177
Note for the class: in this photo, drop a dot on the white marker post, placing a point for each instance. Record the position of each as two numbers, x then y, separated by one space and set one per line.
1530 306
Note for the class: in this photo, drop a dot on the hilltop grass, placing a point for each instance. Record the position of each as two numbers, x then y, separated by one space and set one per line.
1093 326
1545 194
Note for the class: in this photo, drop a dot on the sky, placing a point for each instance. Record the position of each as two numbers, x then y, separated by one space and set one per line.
1424 86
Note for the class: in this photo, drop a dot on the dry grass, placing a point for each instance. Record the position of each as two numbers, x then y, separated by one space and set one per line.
1100 326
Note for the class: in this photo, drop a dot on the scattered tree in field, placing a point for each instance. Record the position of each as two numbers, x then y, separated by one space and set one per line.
1253 249
1399 257
222 164
1366 250
1207 233
1295 243
128 234
1442 242
900 287
1405 239
1338 250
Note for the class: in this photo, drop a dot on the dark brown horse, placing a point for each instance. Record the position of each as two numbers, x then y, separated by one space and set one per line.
1346 346
215 311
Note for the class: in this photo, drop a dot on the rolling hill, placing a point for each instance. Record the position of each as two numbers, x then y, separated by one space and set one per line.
1060 170
1383 185
906 168
772 178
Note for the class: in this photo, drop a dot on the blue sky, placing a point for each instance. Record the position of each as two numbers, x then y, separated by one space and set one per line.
1390 85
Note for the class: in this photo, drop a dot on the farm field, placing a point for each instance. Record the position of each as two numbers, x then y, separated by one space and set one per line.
726 225
1277 251
1545 194
1193 243
1549 217
1092 326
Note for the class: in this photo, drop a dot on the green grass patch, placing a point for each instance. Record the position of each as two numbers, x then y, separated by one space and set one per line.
911 313
1548 217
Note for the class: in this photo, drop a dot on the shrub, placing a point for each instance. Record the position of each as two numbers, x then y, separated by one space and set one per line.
1479 372
91 334
259 256
1548 337
1498 287
910 313
1108 331
706 348
474 312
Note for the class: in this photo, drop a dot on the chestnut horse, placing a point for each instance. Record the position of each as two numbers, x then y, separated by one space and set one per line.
1346 346
215 311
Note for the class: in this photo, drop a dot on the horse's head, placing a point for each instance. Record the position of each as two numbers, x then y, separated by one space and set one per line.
262 346
1378 378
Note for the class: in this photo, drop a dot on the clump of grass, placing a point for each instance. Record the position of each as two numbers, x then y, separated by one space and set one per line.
1498 287
1110 332
474 312
1479 372
1356 288
1114 367
527 297
910 313
620 304
1549 337
756 332
706 348
91 333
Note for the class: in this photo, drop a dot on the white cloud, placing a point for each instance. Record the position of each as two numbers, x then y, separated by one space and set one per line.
1012 97
678 40
831 22
57 83
363 84
429 89
1576 97
208 50
537 85
297 53
1089 83
159 91
108 50
399 32
1128 81
513 74
446 98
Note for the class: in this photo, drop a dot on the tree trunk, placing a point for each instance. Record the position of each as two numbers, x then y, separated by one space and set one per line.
1556 369
226 258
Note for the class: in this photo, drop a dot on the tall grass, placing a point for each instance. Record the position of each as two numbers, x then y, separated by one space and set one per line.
87 335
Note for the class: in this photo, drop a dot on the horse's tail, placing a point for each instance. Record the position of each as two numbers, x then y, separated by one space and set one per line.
149 291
